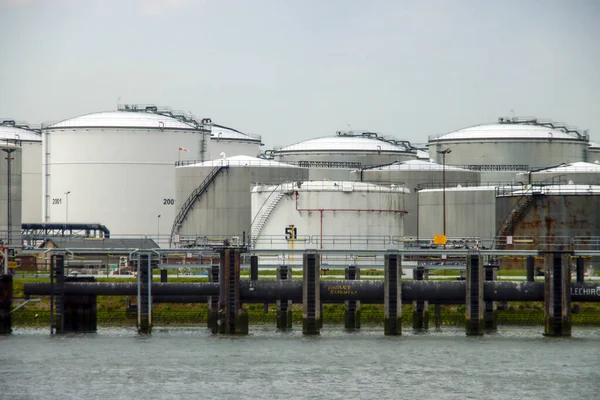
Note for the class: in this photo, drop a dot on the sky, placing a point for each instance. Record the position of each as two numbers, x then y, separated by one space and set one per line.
295 70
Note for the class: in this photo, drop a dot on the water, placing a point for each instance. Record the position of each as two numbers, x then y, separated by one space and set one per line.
190 363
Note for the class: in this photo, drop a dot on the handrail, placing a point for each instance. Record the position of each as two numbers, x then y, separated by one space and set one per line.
183 212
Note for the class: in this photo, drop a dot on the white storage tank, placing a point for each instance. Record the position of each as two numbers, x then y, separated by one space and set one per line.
579 173
10 188
333 157
416 175
593 152
232 142
30 142
117 168
341 215
512 145
213 197
470 213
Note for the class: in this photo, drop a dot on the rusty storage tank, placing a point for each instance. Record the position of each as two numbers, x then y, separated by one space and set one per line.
512 145
580 173
416 175
548 217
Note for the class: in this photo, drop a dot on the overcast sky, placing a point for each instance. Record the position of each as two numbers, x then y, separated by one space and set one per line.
294 70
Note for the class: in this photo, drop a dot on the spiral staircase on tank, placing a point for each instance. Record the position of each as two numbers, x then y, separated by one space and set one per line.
193 197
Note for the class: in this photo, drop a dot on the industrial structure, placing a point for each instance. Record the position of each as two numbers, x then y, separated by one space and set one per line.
29 139
332 157
416 175
512 145
117 168
231 142
213 197
327 215
581 173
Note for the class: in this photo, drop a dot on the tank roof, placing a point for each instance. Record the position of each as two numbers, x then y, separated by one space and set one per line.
516 128
594 145
11 131
220 132
346 143
554 190
122 119
572 167
415 165
460 188
333 186
240 161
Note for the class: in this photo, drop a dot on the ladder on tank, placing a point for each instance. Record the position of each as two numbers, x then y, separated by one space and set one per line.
265 212
187 206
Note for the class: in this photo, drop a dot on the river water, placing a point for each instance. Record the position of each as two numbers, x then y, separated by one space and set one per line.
190 363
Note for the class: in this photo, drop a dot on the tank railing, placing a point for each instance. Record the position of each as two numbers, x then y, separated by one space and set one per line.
494 167
192 198
551 243
579 134
524 242
35 128
586 242
182 116
459 184
250 135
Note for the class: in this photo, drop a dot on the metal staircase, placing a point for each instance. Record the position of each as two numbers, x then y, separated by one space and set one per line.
265 212
187 206
516 215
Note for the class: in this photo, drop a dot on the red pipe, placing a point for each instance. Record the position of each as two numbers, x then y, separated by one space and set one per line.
321 210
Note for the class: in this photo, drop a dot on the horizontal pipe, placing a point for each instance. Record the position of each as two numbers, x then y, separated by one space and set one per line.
370 292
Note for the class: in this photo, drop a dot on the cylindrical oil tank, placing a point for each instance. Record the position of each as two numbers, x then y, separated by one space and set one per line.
517 144
332 157
10 187
342 215
469 213
118 168
550 216
580 173
30 142
416 175
593 152
232 142
213 197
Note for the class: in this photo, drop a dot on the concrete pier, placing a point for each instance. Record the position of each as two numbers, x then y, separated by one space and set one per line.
6 293
352 312
557 295
311 294
392 295
231 317
144 295
421 308
475 324
284 305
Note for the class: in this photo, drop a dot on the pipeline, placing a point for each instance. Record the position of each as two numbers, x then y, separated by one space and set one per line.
338 291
